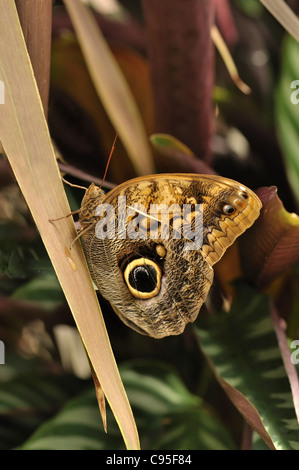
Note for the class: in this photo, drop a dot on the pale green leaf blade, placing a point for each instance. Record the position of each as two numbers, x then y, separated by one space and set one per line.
111 87
287 111
283 13
25 138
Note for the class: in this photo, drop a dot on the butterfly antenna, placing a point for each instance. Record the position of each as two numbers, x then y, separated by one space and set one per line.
73 185
109 159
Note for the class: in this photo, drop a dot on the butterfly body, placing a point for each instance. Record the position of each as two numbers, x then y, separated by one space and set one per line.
151 242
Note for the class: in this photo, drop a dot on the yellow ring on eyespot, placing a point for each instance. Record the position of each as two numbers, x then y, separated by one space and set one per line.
142 262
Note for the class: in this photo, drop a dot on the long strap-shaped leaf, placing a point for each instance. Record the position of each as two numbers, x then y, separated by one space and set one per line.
25 138
286 17
111 87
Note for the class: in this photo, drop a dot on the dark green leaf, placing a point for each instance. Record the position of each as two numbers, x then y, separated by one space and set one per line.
26 401
167 416
243 348
287 111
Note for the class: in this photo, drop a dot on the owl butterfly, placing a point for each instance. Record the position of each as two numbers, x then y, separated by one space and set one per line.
151 242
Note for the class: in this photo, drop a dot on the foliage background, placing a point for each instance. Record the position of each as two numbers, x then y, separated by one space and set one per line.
187 392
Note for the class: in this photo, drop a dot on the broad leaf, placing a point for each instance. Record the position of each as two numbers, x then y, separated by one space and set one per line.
27 400
271 245
167 414
243 348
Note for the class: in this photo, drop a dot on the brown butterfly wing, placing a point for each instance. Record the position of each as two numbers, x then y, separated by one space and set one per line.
182 290
156 286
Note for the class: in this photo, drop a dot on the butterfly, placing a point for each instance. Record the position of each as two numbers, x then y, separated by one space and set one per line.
151 243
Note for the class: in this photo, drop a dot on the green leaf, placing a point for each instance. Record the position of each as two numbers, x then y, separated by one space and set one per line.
287 111
243 348
26 401
168 143
157 388
250 7
43 289
167 414
75 427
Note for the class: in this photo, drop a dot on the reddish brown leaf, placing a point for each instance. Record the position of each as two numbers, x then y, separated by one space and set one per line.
272 245
181 56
